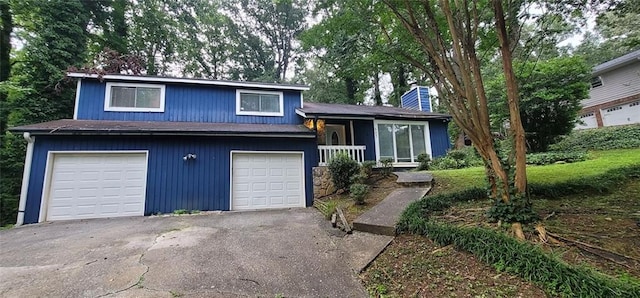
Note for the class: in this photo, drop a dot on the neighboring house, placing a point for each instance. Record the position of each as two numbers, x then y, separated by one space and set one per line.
141 145
614 98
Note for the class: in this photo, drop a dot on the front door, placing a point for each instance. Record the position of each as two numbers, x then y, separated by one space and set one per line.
335 134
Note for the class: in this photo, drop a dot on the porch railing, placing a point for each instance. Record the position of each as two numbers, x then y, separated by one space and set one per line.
326 153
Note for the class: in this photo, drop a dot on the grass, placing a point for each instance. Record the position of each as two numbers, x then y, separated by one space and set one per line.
598 215
599 163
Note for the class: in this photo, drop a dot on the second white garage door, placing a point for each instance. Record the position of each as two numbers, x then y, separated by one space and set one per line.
267 180
95 185
622 115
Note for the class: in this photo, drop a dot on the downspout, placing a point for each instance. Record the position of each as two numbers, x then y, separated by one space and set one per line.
25 177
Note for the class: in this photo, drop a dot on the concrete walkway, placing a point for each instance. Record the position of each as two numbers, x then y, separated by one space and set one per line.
382 218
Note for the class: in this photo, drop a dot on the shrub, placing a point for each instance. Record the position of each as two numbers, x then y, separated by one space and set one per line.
424 160
457 159
357 192
366 168
387 166
605 138
342 168
547 158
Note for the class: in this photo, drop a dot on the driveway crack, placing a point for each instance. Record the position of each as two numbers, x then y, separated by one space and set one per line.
141 278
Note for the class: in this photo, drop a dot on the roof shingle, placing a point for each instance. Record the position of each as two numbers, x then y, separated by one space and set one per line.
95 127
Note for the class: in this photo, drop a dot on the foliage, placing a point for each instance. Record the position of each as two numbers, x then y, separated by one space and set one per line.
457 159
342 168
546 158
550 95
424 160
615 33
605 138
55 37
358 192
516 210
599 163
387 166
366 168
327 208
508 254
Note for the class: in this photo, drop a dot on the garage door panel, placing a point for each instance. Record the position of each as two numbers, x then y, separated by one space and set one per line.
267 180
95 185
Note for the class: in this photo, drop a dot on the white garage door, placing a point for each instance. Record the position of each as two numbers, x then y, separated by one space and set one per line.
621 115
96 185
267 180
587 121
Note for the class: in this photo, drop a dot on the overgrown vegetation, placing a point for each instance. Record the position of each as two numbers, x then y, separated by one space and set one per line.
522 258
603 174
605 138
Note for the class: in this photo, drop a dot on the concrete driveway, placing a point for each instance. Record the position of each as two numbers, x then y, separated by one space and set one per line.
288 253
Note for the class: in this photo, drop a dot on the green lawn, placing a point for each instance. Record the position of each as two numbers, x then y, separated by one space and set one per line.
598 163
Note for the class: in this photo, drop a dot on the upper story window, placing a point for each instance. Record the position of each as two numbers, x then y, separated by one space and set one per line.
259 103
596 81
132 97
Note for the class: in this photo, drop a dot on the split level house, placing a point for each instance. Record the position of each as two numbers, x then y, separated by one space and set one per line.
614 98
142 145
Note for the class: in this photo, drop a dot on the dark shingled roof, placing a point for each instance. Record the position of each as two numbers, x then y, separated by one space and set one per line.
98 127
329 110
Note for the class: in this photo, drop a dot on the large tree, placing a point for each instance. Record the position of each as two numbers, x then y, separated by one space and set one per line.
55 36
446 36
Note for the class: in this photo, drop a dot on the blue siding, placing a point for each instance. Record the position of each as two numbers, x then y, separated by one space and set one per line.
172 183
439 138
365 135
410 99
424 99
188 103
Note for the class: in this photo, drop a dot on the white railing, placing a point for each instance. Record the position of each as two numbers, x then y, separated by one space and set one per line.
326 153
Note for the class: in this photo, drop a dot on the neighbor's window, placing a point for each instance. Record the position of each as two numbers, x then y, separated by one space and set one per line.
260 103
127 97
402 142
596 81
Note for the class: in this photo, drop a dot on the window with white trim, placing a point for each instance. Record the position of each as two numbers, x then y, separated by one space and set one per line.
401 142
259 103
131 97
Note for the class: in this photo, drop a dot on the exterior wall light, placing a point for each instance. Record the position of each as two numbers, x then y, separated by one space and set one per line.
189 156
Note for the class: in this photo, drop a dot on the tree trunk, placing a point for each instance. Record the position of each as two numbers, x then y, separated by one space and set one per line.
5 59
376 90
513 99
351 90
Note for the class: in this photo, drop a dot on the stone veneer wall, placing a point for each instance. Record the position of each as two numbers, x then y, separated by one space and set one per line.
322 185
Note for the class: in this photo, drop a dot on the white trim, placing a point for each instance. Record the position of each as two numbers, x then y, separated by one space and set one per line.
257 113
48 173
419 99
427 140
26 174
300 113
107 98
185 80
77 102
302 173
301 101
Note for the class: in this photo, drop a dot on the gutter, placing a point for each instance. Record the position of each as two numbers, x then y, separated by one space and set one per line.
25 177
